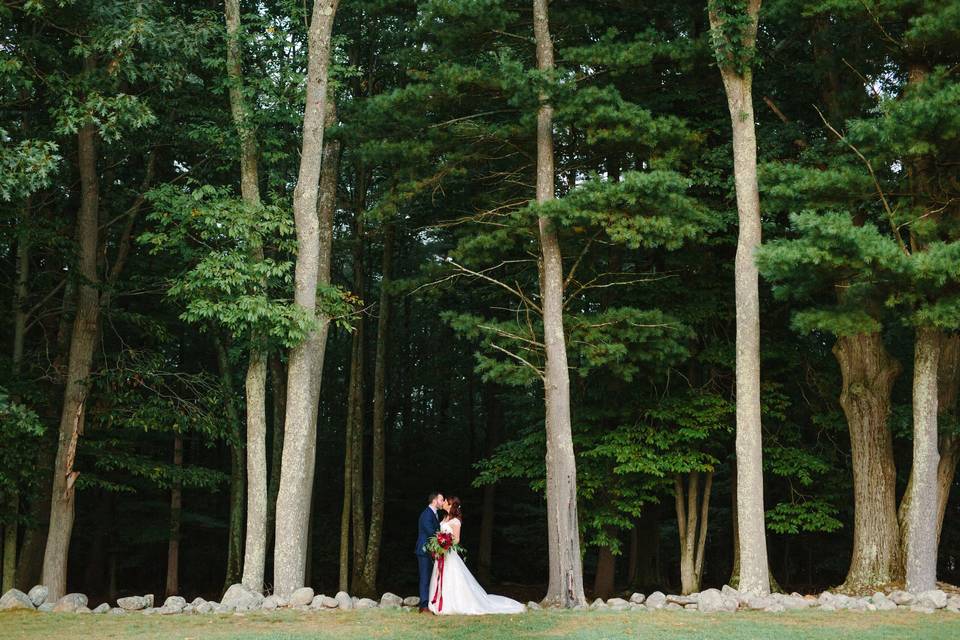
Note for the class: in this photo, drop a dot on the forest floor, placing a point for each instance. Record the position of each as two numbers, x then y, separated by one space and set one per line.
403 625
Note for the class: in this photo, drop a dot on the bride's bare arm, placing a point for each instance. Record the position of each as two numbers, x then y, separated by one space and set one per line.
455 529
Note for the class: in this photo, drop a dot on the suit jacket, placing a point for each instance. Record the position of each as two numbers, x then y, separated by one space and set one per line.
428 525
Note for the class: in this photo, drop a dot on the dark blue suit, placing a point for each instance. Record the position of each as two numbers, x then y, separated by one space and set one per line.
428 525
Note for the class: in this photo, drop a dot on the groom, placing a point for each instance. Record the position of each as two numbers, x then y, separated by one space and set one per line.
429 524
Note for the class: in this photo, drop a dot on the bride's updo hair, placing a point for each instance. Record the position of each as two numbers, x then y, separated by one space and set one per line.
455 511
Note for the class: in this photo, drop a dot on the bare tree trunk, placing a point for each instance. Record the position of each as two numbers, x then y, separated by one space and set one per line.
278 386
176 504
80 361
237 473
921 544
565 588
948 385
493 415
605 579
692 507
345 514
300 441
255 545
378 487
868 375
19 335
355 411
738 83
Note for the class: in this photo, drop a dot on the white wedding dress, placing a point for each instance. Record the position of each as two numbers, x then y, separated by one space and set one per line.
462 594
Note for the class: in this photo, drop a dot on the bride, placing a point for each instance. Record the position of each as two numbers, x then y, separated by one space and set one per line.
459 591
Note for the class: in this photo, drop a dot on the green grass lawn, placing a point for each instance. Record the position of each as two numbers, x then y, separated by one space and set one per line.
402 625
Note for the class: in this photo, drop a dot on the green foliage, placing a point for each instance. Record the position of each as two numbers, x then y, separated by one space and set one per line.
20 433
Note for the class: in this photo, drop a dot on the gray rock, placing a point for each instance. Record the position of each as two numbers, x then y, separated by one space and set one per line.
637 598
618 604
83 610
203 607
795 602
391 601
598 604
331 603
239 597
102 608
730 592
366 603
70 603
759 603
149 599
46 607
935 599
189 610
776 607
117 611
15 599
712 601
270 603
175 602
682 600
672 606
168 611
902 597
301 597
149 611
691 607
38 595
343 600
919 608
533 606
411 601
827 607
826 598
196 602
637 607
132 603
882 602
656 600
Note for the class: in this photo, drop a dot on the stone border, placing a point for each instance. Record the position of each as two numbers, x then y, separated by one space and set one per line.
240 599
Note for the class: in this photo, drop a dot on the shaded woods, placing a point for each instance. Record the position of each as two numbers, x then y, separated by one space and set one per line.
665 293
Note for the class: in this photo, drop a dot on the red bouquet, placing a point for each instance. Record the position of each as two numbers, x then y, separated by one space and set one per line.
438 546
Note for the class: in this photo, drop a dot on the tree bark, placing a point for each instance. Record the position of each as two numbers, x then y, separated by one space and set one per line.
80 362
378 454
278 382
10 531
305 367
754 570
237 473
868 374
355 403
921 542
255 545
565 587
692 505
493 415
176 504
604 580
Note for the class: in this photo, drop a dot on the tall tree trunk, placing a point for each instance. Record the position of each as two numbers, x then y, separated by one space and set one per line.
355 405
30 561
493 416
921 542
12 507
868 375
305 367
176 510
237 472
347 504
692 505
948 385
378 454
82 342
565 587
255 545
605 578
278 385
738 84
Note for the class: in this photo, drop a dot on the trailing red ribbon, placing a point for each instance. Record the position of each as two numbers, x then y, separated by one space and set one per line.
438 594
